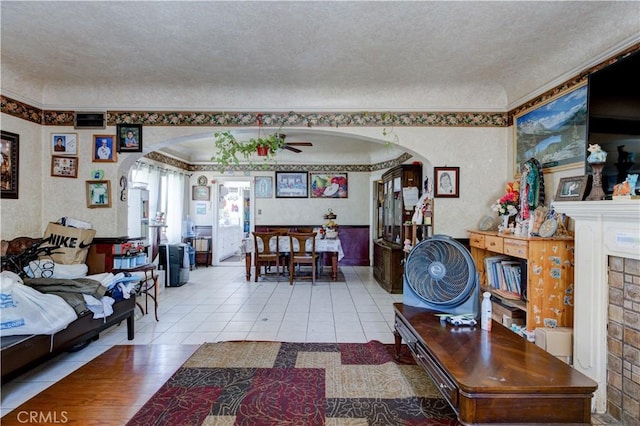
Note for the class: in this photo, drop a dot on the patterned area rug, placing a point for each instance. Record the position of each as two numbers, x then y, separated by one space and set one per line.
271 383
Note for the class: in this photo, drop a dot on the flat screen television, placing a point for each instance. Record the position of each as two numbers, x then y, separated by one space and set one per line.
614 119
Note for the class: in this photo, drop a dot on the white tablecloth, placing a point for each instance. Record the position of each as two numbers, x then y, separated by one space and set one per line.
326 245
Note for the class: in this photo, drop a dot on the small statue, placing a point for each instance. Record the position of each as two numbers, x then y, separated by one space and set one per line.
627 187
407 245
597 154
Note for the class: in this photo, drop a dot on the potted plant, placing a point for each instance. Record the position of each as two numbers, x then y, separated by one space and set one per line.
229 151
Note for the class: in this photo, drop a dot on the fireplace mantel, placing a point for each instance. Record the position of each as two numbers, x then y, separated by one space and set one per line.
602 229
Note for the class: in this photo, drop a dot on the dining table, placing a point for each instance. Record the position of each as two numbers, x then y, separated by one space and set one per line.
331 246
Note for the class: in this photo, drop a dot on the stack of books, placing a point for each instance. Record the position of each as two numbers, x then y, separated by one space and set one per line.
504 276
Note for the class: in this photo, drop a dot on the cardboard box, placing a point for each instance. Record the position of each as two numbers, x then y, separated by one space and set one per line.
557 341
506 315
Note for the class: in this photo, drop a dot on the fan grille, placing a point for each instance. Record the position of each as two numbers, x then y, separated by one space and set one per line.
440 271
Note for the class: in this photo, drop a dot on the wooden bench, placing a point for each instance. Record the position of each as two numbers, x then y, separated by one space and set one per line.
493 376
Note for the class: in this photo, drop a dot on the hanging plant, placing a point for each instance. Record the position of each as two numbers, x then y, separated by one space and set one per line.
230 151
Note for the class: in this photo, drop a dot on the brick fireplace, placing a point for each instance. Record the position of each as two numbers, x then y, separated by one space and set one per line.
623 340
606 343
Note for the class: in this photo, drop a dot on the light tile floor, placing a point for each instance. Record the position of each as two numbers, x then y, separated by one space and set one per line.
217 304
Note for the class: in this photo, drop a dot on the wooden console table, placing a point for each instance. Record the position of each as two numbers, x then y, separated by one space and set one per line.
495 376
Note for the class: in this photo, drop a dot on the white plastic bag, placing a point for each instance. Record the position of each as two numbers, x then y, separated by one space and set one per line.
25 311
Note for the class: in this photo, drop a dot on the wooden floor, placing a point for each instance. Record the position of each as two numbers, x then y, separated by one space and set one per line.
106 391
112 388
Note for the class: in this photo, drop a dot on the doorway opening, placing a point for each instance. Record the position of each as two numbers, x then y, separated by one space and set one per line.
233 220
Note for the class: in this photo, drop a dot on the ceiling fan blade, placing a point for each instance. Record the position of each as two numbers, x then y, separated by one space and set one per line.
290 148
300 143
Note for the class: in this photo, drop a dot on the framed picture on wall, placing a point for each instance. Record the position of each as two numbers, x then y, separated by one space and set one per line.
104 148
446 182
264 187
573 188
64 166
64 143
292 185
129 137
201 193
554 132
10 165
333 185
98 193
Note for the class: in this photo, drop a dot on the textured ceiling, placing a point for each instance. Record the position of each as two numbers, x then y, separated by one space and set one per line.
304 55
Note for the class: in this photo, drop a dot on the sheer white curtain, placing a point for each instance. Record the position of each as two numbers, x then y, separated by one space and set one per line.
166 195
175 206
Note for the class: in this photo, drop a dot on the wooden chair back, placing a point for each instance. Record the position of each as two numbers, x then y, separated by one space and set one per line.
262 253
301 254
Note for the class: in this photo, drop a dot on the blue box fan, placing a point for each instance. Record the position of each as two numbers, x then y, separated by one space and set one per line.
440 275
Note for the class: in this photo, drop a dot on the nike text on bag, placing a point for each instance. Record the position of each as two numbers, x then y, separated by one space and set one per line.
71 244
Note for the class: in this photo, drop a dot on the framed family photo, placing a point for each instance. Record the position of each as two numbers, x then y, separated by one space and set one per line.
264 187
64 143
573 188
64 166
446 182
104 148
292 185
98 193
554 133
129 137
10 165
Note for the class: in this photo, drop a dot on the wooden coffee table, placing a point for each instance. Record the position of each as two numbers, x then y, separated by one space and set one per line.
495 376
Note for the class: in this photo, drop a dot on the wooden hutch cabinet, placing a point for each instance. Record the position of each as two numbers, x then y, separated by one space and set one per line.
387 251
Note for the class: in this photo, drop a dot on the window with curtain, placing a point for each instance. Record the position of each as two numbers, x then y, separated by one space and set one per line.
166 195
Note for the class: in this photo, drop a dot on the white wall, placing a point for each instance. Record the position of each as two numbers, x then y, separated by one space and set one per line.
484 156
24 216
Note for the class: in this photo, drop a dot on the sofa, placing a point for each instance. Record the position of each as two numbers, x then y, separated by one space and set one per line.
21 353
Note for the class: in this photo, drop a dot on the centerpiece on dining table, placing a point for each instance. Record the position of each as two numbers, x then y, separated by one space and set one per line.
330 228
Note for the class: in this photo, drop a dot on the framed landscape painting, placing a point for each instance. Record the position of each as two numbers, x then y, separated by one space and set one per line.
554 133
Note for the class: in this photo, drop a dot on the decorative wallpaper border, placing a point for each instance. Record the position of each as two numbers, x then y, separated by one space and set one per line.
312 119
238 119
241 168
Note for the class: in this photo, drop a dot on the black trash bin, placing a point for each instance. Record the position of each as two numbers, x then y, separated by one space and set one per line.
172 261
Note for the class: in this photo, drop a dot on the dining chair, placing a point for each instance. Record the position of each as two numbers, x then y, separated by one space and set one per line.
282 254
262 253
300 254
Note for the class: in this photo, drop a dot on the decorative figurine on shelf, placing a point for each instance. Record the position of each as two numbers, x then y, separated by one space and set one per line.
407 245
539 215
597 154
627 188
596 160
531 188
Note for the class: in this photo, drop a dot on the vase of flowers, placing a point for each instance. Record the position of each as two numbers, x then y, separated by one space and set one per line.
507 205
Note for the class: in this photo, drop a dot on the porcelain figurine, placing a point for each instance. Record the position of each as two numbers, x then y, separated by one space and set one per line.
597 154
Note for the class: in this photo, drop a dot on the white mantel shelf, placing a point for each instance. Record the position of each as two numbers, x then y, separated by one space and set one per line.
602 229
